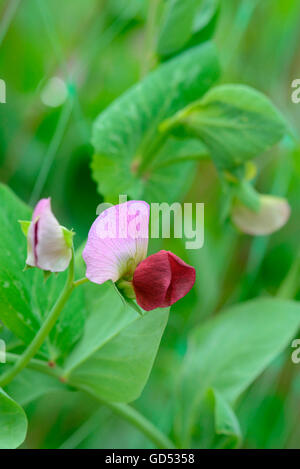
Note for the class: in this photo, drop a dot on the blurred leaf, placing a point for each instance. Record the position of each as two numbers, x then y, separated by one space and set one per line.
29 385
235 122
229 351
264 416
114 358
183 23
123 9
226 423
13 423
125 135
25 298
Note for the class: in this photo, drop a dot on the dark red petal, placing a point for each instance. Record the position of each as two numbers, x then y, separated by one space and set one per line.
162 279
183 279
151 280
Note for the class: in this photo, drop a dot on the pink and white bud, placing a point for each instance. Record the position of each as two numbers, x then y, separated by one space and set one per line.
49 245
273 214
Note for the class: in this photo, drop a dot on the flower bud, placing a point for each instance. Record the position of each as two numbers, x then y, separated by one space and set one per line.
162 279
49 245
273 213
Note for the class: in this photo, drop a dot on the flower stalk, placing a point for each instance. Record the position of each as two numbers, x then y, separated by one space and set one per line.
133 416
128 413
44 331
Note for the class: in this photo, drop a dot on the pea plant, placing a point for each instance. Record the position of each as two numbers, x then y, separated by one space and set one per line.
92 319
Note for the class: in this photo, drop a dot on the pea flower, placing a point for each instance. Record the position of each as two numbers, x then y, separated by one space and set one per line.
116 250
273 214
161 280
49 245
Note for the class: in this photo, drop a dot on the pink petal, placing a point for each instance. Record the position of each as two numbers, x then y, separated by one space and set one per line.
161 280
47 248
43 206
117 241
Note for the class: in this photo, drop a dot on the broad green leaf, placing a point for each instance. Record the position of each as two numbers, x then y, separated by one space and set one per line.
229 351
172 167
125 135
25 298
13 423
185 24
15 309
235 122
115 355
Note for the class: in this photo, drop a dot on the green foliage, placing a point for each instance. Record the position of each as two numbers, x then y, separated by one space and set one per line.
13 423
226 423
228 352
25 298
15 308
115 356
171 168
235 122
231 391
126 137
185 24
29 385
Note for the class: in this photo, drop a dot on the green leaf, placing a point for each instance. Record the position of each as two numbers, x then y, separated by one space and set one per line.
125 135
30 384
235 122
132 304
173 166
186 23
13 423
115 355
229 351
227 426
15 309
25 299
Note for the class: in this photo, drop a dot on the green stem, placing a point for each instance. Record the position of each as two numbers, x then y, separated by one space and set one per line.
128 413
132 416
291 283
125 411
44 331
81 281
52 150
37 365
149 37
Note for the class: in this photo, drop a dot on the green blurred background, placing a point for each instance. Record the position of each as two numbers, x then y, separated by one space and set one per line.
97 47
